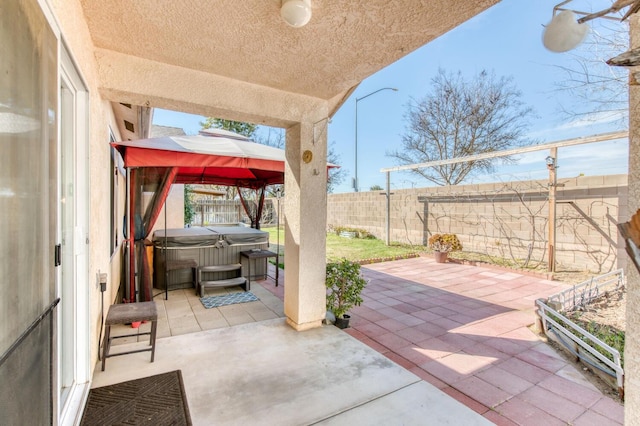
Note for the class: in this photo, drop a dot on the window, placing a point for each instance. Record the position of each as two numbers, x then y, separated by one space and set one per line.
116 197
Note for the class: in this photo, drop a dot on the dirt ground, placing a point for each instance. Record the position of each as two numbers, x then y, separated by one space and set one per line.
608 310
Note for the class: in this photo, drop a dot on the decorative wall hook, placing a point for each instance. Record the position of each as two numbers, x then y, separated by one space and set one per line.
315 137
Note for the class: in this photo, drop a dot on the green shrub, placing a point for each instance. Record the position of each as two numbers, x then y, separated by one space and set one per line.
606 333
189 205
344 286
360 233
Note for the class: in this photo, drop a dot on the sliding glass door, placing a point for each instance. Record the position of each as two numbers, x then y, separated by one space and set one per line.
28 206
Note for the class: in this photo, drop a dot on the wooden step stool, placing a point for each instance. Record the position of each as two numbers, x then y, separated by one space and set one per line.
227 282
126 313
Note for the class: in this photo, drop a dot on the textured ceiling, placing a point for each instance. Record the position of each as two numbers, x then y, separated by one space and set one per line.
246 40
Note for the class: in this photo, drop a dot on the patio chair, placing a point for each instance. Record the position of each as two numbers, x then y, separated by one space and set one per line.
127 313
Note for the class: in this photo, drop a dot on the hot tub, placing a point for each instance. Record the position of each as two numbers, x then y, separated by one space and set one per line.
208 246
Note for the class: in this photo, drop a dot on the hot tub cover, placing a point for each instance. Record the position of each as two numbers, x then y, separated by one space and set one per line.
209 236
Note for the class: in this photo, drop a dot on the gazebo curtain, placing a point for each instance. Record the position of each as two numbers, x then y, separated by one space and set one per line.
253 211
157 181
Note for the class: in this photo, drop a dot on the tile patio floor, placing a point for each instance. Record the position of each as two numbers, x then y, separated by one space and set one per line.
463 329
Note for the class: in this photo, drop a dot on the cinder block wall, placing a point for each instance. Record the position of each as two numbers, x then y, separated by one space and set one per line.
507 219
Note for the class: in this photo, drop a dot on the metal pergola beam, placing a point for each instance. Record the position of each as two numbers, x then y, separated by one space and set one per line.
552 146
515 151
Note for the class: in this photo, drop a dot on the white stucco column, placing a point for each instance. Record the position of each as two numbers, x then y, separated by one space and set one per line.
305 213
632 337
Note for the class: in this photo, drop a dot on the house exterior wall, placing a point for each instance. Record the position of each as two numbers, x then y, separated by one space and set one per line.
116 270
507 220
632 338
174 206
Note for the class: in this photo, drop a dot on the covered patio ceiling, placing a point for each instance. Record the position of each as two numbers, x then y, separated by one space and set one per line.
230 46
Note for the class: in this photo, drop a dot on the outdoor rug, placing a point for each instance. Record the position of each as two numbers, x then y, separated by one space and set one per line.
155 400
228 299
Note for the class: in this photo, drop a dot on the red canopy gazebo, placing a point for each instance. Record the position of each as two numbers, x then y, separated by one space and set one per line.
216 157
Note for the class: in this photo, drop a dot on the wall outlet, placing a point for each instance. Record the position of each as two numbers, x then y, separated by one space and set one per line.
101 279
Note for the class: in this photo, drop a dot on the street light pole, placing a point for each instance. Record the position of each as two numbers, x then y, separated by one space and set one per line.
355 180
552 165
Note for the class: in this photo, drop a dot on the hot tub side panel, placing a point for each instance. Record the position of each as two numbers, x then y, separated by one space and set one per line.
209 247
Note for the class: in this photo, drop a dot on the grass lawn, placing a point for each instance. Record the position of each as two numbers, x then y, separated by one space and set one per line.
273 234
376 250
353 249
362 249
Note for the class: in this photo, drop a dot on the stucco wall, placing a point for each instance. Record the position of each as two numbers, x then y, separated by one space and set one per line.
508 219
174 207
632 338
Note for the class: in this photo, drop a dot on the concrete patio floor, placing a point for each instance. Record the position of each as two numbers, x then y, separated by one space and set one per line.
453 332
266 373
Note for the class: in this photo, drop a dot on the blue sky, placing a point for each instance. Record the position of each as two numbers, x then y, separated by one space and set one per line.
505 39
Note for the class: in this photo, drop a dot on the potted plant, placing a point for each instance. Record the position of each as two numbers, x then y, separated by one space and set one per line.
344 287
442 244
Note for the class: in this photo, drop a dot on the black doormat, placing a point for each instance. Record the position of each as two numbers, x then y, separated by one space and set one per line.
156 400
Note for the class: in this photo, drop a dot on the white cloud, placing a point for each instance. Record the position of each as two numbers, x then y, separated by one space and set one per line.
594 123
598 158
602 151
597 118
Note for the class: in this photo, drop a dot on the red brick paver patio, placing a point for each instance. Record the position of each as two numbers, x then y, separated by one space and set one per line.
464 329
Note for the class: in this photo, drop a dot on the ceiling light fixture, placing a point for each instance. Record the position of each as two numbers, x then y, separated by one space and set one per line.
296 13
564 32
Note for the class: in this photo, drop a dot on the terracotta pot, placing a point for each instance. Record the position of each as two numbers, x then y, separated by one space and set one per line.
441 256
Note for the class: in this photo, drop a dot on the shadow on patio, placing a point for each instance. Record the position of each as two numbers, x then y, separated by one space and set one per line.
460 329
464 329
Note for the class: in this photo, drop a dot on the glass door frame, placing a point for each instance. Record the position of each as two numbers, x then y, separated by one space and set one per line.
73 313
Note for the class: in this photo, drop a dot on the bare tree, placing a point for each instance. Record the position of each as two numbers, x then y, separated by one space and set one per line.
598 91
274 137
336 175
459 118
